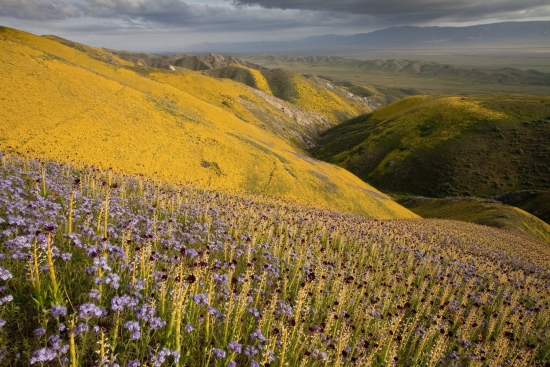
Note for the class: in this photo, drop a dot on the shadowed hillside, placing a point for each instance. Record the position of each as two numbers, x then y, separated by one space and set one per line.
447 145
536 202
438 146
64 104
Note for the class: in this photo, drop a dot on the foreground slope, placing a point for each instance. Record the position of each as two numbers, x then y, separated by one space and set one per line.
65 104
97 268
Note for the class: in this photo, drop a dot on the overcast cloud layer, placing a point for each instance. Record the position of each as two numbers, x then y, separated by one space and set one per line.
154 25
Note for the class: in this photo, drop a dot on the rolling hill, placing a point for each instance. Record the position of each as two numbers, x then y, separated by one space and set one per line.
311 93
69 103
439 146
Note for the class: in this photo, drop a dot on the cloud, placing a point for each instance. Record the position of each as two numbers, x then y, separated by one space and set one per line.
178 14
37 10
414 11
194 21
273 14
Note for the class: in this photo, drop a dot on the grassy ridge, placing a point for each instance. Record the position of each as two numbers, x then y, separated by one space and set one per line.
296 89
481 211
99 268
60 103
440 145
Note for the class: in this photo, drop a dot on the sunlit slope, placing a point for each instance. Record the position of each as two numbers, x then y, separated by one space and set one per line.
448 145
328 100
481 211
59 103
253 106
95 52
251 77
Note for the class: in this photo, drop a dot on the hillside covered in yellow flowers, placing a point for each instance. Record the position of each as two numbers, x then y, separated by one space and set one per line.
89 107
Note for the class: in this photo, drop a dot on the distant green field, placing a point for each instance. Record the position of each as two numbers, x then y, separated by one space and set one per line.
400 77
528 56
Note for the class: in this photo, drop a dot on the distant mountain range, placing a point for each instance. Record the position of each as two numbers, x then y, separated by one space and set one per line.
410 36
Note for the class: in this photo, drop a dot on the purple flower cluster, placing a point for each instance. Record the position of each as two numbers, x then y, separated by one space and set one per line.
134 328
235 346
90 310
59 311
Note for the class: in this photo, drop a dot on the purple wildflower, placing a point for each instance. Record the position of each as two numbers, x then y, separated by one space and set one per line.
189 328
6 299
89 310
66 256
254 363
156 323
2 322
218 353
112 279
250 351
235 347
81 328
119 302
139 284
43 355
134 363
59 311
94 294
258 335
40 331
254 311
144 312
133 326
5 274
176 356
200 299
160 358
55 342
232 364
217 314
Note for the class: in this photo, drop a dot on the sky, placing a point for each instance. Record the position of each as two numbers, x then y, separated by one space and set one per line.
165 25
